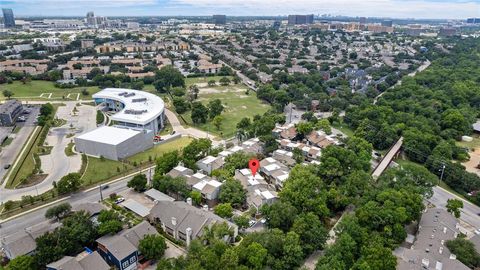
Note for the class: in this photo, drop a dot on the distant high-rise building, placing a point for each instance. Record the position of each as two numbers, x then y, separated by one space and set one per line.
277 24
300 19
363 20
219 19
91 19
387 23
447 32
473 20
8 19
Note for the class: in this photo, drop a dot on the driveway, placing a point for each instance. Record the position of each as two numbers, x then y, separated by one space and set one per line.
57 164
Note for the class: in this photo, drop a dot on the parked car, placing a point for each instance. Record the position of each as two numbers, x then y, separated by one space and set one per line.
173 132
252 222
6 167
105 186
120 200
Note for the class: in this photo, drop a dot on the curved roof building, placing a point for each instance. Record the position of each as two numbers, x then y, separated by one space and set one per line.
133 108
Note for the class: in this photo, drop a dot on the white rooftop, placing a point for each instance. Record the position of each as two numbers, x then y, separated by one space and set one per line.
208 160
151 104
180 168
109 135
272 167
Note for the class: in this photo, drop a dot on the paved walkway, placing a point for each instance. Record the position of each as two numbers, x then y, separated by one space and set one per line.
387 159
193 132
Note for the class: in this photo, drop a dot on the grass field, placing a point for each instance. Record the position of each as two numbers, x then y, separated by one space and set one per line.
158 150
237 106
99 170
102 169
190 81
32 91
343 128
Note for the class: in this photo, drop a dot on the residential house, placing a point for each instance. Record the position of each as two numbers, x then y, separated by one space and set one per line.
286 157
429 251
209 188
250 146
259 192
121 250
274 171
185 222
83 261
287 131
209 164
23 242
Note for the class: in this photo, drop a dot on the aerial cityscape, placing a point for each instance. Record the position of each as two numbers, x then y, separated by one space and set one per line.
236 135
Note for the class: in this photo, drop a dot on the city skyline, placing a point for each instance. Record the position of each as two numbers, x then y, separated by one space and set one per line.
420 9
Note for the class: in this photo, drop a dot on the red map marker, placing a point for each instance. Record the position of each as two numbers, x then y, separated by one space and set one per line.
253 164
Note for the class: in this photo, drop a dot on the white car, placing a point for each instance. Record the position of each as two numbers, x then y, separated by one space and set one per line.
252 222
120 200
477 231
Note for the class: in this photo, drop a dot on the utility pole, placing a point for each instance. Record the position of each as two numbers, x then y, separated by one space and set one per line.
101 195
443 170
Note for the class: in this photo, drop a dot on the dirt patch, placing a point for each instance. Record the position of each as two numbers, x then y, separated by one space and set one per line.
471 165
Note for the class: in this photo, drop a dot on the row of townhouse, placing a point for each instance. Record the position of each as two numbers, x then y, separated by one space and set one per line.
25 66
142 47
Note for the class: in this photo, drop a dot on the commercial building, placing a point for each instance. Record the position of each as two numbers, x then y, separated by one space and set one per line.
387 23
9 112
8 18
138 117
473 20
219 19
300 19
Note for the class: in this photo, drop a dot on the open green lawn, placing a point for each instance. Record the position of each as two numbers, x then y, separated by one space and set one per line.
159 149
237 106
32 91
190 81
343 128
102 169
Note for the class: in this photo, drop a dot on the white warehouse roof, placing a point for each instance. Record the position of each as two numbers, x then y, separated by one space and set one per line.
109 135
140 107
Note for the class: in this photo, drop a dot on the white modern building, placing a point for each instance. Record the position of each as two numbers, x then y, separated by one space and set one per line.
137 119
134 108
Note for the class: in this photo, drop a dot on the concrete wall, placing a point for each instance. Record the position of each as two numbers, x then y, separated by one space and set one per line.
130 147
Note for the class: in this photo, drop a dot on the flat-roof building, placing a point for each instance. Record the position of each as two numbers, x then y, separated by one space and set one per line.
138 117
9 112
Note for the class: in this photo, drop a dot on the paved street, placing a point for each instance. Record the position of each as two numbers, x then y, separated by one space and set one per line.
37 216
470 212
10 152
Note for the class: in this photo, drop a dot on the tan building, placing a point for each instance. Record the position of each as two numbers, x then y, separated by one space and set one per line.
26 66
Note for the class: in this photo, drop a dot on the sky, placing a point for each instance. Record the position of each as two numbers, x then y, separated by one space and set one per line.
421 9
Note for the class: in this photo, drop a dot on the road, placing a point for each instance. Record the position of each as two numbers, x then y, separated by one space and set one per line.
470 212
10 152
91 195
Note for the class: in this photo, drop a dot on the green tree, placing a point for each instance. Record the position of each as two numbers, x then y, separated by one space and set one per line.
232 192
241 221
167 162
215 108
224 81
465 251
304 128
58 211
217 121
324 125
138 182
110 227
196 197
168 77
199 113
7 93
224 210
255 255
196 150
454 206
175 186
279 215
193 92
180 104
23 262
311 231
211 82
69 183
152 247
